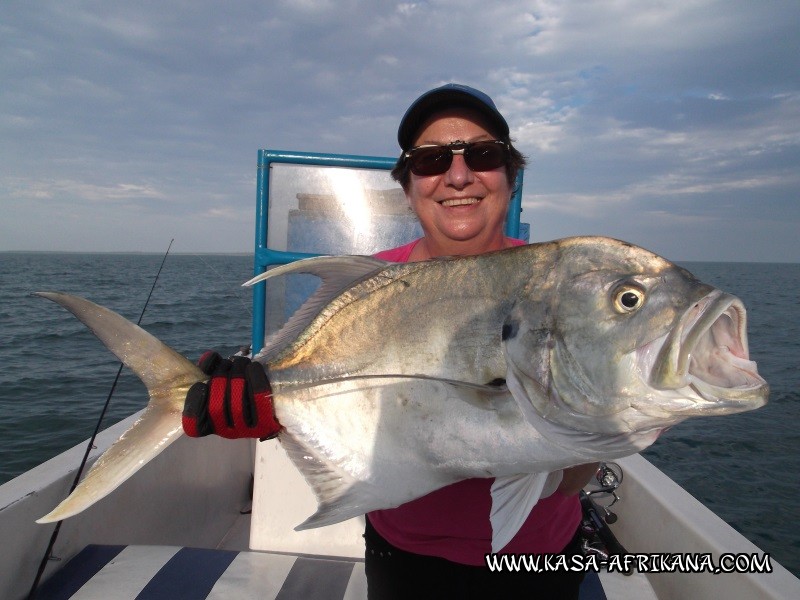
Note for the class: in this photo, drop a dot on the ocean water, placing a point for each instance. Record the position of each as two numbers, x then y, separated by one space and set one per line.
55 376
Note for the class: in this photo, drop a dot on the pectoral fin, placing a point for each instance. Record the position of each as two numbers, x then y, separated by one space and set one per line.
513 498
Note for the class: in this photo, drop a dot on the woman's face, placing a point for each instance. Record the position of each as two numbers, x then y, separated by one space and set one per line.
459 206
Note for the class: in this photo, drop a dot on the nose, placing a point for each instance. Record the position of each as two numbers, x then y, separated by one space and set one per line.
459 175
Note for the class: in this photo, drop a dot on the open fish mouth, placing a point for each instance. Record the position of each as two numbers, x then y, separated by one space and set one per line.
707 353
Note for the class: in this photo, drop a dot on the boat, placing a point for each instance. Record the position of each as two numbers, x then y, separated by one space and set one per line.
214 518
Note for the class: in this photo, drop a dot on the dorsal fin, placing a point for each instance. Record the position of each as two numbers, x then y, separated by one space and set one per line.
337 273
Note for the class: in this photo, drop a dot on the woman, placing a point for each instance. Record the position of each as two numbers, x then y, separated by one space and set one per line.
458 169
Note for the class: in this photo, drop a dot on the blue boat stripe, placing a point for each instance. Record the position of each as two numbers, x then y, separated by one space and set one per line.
191 573
80 569
316 579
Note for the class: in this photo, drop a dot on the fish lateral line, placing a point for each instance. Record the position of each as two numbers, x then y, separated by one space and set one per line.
496 386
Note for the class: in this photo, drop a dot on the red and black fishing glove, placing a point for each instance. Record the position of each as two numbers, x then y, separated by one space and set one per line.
235 403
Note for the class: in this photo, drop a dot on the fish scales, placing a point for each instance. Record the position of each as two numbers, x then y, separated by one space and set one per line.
419 321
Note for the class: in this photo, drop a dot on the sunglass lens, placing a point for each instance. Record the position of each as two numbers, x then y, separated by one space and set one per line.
485 156
431 161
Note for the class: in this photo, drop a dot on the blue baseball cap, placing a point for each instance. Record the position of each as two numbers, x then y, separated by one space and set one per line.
446 96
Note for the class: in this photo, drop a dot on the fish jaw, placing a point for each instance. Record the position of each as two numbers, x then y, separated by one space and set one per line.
705 358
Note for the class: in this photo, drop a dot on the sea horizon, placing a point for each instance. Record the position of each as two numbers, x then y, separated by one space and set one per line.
243 254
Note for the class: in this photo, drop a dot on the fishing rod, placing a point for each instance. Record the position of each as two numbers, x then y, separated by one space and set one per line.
599 540
49 552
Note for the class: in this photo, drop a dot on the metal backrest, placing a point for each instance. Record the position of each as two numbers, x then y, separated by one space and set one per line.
309 204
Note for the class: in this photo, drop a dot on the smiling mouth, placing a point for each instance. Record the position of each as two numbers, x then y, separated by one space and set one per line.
459 202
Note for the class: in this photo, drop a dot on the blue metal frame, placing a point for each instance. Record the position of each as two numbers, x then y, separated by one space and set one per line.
265 257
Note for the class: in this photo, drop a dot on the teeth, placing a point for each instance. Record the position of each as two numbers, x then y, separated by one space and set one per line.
460 201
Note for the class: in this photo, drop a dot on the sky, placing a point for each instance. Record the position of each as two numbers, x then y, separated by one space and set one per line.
673 124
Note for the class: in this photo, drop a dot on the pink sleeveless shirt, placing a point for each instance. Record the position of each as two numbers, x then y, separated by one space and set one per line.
453 522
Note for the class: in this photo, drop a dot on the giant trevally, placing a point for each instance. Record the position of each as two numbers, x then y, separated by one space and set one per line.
394 380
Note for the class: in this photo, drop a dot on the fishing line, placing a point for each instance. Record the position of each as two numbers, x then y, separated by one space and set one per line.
240 297
49 552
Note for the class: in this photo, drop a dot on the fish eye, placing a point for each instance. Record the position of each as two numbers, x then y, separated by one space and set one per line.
628 298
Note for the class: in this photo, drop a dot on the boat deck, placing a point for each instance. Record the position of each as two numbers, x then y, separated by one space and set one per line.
168 572
154 572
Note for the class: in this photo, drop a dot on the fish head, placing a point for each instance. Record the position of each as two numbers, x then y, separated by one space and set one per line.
616 339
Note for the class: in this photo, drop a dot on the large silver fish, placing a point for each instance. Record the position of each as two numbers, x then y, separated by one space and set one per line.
394 380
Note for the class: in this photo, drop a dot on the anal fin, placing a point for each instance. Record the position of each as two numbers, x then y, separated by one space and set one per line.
339 495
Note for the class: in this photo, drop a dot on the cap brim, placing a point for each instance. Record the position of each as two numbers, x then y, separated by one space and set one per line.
440 99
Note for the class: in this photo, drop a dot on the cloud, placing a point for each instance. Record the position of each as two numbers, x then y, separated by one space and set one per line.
66 191
625 108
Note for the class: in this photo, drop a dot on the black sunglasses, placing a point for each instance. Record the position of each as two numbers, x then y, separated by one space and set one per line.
434 159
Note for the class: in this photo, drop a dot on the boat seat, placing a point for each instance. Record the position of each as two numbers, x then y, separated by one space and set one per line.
169 572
